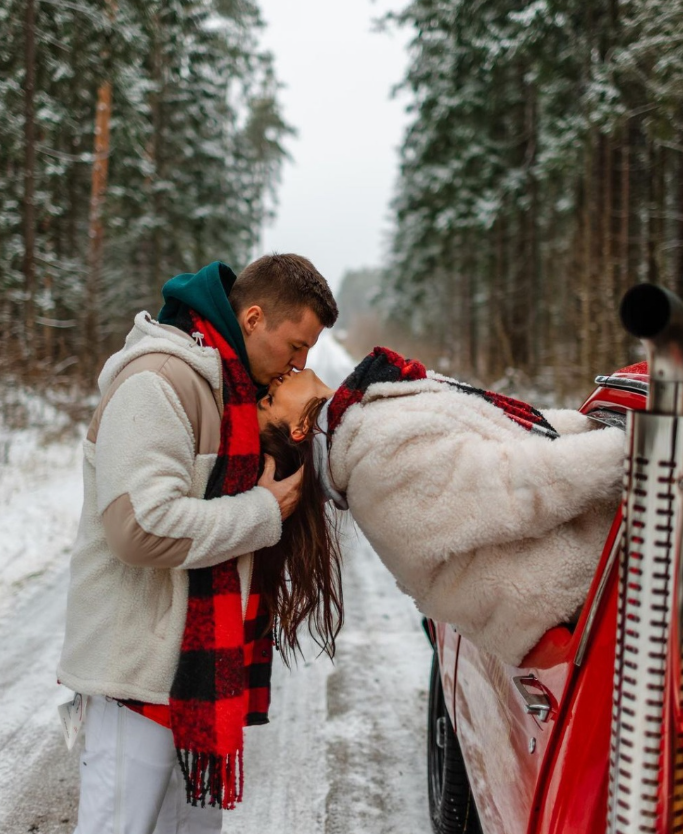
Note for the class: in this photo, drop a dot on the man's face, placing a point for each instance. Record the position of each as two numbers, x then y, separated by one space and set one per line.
274 352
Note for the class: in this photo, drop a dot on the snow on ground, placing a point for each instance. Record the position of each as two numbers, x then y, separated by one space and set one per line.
40 500
345 750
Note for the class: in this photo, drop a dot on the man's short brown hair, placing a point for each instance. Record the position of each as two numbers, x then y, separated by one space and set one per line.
283 286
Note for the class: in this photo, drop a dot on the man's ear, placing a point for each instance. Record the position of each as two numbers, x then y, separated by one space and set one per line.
251 318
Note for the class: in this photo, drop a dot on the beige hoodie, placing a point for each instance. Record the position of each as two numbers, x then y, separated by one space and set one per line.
148 454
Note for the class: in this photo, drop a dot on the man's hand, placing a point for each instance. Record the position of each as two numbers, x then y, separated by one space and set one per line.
287 492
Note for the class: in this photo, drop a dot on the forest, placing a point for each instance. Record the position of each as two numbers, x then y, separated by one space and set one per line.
541 175
137 139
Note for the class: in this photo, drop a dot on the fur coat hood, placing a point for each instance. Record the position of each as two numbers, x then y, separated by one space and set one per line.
487 526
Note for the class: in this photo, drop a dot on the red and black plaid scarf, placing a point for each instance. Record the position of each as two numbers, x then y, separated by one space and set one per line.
222 682
223 677
383 365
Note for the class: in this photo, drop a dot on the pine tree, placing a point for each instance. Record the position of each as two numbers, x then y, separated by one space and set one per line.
540 176
192 167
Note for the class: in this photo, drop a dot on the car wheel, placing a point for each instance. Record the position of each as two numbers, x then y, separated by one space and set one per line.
451 804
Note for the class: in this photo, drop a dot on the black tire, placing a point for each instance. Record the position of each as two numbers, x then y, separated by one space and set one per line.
451 804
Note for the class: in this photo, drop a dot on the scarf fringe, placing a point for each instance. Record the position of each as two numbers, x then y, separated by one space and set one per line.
211 779
212 701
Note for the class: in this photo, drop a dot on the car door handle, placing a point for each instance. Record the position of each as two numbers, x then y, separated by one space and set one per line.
534 703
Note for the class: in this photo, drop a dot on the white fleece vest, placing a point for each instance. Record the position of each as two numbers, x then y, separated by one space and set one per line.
128 586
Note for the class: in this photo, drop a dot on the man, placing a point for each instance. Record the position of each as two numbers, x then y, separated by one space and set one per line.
165 624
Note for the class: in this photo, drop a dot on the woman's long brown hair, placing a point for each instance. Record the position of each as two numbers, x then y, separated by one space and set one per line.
301 574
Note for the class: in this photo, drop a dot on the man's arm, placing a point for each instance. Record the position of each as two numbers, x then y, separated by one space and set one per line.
146 468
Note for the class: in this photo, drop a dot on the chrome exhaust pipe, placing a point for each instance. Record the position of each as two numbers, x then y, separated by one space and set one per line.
650 602
655 316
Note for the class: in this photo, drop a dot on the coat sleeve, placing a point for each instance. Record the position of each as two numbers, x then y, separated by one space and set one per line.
145 468
416 473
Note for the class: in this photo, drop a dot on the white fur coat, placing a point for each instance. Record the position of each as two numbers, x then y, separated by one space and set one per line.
487 526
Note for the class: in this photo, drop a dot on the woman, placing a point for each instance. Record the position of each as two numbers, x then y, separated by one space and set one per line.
489 514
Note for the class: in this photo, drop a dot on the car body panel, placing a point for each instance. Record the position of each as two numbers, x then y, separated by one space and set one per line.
491 716
527 775
572 795
447 642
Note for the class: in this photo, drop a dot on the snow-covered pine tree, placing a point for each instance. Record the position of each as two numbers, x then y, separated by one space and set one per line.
195 147
540 176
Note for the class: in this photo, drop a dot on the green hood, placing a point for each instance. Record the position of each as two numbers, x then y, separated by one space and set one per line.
207 293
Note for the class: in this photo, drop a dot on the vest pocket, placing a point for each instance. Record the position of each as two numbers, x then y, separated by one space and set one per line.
163 602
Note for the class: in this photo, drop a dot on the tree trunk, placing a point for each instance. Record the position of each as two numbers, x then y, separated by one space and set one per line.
652 206
96 231
464 298
586 274
678 276
48 340
472 280
533 280
92 333
625 213
500 351
606 289
29 266
157 155
639 195
660 215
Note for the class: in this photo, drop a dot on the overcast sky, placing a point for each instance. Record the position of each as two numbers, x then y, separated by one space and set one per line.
338 74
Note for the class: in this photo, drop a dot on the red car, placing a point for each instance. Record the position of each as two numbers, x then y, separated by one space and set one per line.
586 735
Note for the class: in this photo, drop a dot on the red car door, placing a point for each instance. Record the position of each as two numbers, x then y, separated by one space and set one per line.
491 702
531 764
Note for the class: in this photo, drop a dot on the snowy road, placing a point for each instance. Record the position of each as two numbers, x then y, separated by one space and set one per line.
345 750
344 753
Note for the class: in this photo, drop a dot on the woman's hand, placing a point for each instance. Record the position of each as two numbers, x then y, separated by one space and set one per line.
287 492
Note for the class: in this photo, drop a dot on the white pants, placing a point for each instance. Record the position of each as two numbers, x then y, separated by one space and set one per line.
131 782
